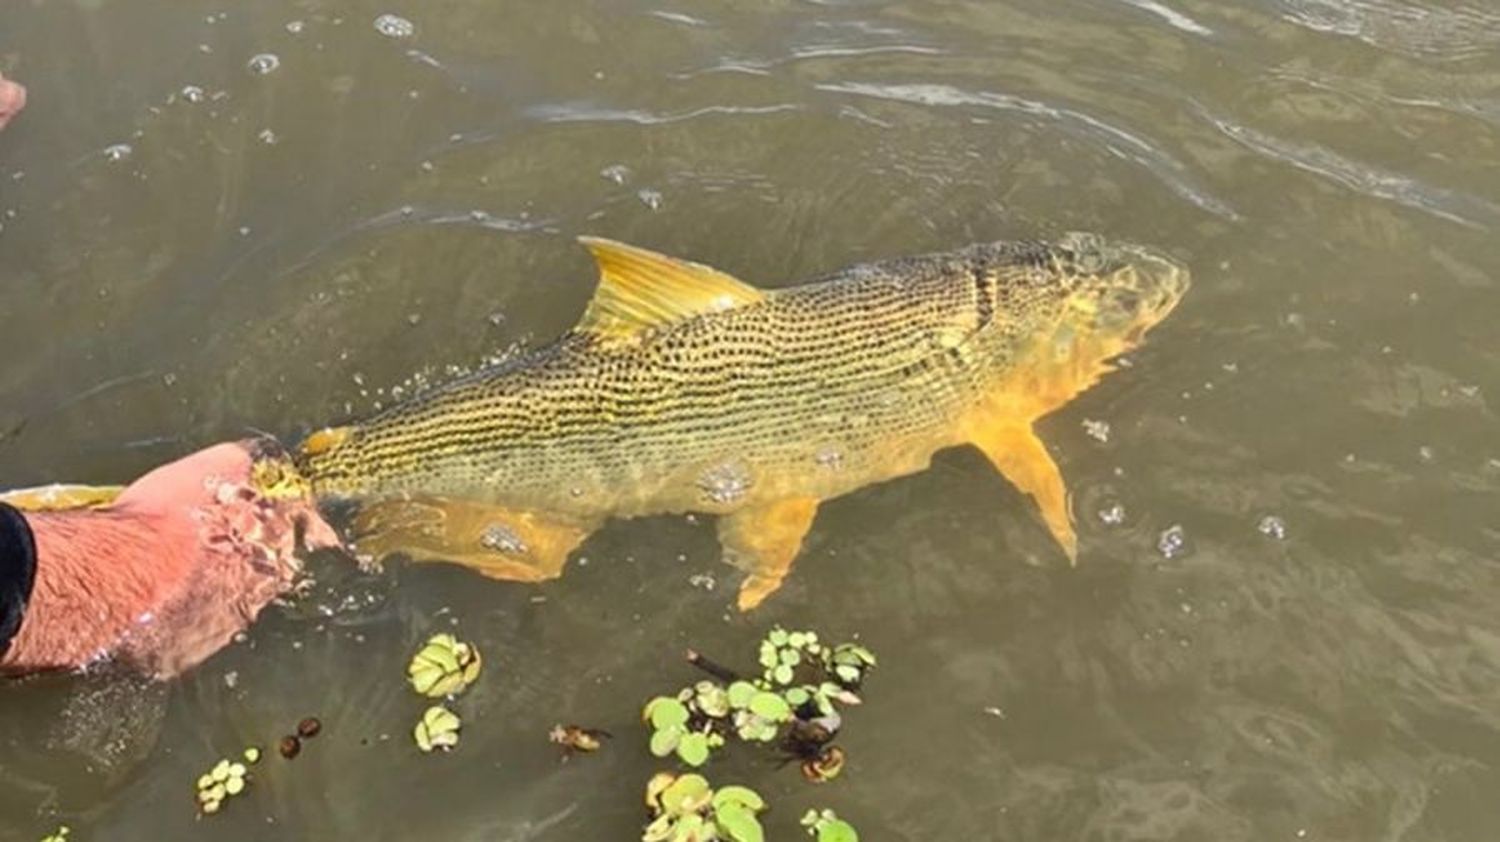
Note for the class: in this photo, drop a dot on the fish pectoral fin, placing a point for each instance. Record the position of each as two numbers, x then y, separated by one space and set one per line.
640 289
516 545
763 541
1016 452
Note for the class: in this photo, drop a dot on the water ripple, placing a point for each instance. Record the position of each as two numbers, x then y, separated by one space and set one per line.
1366 178
583 112
1171 16
1419 30
1117 140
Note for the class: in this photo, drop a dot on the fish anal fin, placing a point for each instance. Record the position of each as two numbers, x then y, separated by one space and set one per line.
764 540
1016 452
640 289
516 545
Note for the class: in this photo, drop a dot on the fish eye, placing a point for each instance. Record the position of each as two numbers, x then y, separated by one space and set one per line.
1087 251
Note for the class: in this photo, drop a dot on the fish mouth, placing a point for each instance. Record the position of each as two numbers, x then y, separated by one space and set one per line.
1144 292
1162 282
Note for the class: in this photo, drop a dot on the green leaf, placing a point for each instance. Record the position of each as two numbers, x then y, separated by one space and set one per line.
739 823
665 741
771 707
791 657
849 674
741 795
837 830
688 794
777 637
853 653
712 700
782 674
740 694
660 830
690 829
693 749
797 696
664 712
797 639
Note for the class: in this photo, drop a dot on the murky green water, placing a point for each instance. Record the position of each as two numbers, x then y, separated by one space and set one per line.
278 250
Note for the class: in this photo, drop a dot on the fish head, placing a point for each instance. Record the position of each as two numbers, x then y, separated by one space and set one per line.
1072 305
1105 296
1113 292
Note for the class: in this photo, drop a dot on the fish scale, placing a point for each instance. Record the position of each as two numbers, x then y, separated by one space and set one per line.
683 389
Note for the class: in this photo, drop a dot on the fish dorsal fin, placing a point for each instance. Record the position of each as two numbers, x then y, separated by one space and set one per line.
640 289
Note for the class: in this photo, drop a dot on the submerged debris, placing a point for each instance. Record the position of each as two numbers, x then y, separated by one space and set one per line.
577 739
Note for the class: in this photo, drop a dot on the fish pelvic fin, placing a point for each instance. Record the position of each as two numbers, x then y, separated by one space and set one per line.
640 290
763 541
1017 453
514 545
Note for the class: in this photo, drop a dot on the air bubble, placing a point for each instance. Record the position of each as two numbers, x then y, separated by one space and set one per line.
1272 526
395 26
268 137
118 152
295 27
503 539
618 173
193 93
650 198
1114 515
725 483
1172 542
1096 430
263 63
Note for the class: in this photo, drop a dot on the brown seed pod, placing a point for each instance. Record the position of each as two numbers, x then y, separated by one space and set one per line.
309 727
289 746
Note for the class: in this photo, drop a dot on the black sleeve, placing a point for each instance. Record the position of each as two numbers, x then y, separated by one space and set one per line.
17 572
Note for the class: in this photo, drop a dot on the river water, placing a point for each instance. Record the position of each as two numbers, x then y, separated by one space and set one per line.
199 240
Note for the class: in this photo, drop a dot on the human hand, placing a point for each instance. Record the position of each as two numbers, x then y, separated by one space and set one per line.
169 572
12 99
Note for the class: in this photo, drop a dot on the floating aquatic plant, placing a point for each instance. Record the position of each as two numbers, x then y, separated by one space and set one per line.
444 666
225 780
826 826
793 703
59 835
437 729
685 808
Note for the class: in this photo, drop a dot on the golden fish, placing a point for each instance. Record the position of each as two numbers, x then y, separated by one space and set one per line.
683 389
